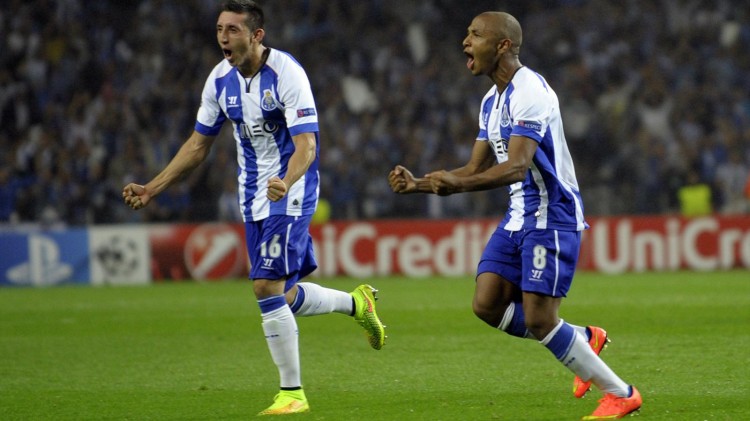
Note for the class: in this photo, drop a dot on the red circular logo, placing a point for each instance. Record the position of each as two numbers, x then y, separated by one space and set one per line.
215 251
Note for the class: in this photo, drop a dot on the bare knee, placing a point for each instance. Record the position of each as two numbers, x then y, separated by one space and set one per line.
264 288
487 312
492 296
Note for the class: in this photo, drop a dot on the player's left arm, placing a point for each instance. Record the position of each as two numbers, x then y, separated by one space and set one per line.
300 161
521 150
301 116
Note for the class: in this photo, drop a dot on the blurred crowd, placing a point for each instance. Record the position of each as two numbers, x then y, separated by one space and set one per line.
655 98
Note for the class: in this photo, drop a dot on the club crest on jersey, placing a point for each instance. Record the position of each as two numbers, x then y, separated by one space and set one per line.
268 103
505 116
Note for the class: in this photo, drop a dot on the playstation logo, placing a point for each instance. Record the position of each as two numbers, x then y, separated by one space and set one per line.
44 266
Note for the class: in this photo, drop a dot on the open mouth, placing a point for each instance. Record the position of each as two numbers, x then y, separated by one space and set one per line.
227 53
469 61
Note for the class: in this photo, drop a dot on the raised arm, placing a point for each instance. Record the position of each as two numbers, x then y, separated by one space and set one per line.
191 154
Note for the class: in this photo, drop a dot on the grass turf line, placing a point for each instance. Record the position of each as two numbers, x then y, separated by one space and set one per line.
195 351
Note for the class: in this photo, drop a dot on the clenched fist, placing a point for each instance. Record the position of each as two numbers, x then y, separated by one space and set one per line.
135 196
276 189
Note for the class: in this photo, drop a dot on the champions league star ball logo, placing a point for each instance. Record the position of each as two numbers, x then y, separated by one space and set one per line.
118 257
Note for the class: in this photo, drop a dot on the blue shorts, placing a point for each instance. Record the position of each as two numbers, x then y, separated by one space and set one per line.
540 261
279 247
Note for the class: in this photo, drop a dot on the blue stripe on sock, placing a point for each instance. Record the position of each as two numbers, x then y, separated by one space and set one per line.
562 341
299 299
517 326
270 304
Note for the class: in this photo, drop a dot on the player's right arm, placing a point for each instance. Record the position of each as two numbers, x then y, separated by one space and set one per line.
403 181
482 158
194 151
191 154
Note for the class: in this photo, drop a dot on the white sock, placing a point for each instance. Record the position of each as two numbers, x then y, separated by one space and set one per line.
282 337
582 331
581 360
313 299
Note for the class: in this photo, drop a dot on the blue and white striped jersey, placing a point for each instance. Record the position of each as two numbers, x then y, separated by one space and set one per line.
549 197
266 111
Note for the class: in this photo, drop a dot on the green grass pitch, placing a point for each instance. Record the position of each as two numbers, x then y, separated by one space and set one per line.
195 351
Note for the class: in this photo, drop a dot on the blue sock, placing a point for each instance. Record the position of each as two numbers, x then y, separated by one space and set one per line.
514 322
560 340
518 322
299 299
272 303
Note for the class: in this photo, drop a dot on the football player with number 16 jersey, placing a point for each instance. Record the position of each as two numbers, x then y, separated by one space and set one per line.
266 96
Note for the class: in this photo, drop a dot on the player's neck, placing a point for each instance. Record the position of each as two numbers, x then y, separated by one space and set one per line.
505 72
257 63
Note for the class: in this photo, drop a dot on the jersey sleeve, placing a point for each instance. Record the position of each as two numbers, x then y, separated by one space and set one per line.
210 116
299 104
531 110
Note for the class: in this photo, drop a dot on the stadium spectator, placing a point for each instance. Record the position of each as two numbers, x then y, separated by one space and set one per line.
528 265
730 181
266 95
9 189
70 68
695 197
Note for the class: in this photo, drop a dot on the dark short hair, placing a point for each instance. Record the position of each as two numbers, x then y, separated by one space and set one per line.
254 13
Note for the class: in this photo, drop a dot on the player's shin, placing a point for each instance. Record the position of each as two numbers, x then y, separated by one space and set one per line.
573 351
280 329
313 299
